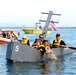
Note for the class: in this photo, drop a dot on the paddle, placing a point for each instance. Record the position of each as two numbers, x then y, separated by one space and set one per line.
74 48
64 46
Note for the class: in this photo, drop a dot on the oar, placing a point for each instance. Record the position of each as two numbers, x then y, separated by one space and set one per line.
74 48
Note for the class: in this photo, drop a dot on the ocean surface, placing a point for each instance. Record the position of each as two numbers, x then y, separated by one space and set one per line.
66 66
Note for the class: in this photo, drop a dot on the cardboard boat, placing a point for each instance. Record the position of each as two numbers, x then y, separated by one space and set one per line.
17 52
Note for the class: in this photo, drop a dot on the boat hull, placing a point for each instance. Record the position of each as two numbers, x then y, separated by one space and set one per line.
23 53
35 31
4 40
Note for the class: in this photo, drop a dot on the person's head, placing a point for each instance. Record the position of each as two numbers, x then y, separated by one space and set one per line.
24 37
41 37
57 36
45 42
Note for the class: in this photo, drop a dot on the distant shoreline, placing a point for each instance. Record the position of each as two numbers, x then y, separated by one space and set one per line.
34 27
66 27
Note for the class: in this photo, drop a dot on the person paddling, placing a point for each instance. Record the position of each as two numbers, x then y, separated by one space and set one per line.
25 40
58 42
40 40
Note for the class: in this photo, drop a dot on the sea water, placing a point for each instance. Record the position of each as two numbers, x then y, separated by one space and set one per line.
66 65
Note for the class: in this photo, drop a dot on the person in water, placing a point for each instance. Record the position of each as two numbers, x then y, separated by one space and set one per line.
58 42
44 48
25 40
40 40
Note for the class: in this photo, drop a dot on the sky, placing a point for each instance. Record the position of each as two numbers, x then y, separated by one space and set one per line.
28 12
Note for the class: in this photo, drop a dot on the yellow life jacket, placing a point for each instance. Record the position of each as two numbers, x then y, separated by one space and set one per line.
46 48
37 47
25 41
57 43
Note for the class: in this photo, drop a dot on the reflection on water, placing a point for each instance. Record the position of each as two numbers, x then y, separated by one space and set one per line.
37 68
22 68
19 68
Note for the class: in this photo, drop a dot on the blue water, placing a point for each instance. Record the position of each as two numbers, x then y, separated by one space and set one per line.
66 65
